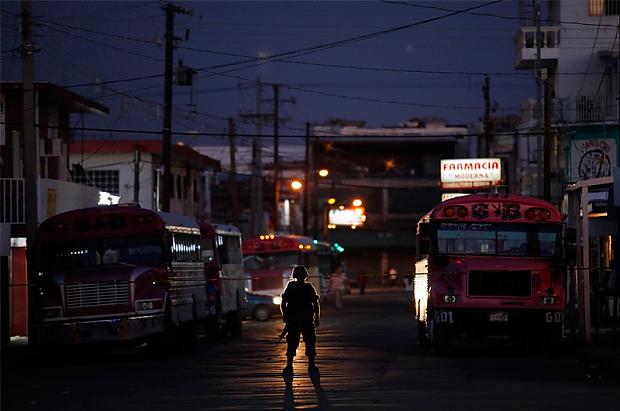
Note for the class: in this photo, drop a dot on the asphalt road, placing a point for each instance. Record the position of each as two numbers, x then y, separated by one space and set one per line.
367 356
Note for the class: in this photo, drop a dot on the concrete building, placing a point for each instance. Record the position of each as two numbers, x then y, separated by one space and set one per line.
579 56
132 171
395 172
54 107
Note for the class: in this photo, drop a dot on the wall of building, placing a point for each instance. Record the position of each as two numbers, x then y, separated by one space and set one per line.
124 164
59 196
579 47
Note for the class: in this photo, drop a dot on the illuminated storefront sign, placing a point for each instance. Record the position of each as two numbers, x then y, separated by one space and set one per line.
471 173
447 196
347 216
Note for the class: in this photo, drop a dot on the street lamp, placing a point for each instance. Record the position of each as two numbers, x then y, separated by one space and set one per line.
323 172
357 202
331 201
296 185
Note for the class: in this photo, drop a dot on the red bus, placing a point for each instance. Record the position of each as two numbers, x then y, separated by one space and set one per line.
489 264
116 274
269 259
221 251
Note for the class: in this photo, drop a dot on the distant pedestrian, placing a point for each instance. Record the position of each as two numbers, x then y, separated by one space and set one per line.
301 313
362 280
393 276
337 286
409 283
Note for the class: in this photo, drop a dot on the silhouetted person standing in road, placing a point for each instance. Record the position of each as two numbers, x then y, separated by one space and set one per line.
301 313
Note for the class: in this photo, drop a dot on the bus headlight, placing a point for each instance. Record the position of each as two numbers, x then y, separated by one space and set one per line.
277 300
148 305
451 299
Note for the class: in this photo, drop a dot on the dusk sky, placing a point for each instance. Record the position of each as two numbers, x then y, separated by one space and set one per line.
92 41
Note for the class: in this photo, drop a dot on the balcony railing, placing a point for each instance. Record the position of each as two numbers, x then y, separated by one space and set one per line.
574 109
587 109
12 202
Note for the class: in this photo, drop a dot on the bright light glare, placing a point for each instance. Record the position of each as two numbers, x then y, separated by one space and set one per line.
323 172
331 201
357 202
296 184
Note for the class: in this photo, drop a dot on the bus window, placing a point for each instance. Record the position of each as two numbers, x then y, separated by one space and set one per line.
229 249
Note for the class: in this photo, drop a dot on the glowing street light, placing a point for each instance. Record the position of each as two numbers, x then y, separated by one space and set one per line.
323 172
331 201
357 202
296 185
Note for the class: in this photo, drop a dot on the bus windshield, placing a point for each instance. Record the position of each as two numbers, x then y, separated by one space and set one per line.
271 261
88 253
531 240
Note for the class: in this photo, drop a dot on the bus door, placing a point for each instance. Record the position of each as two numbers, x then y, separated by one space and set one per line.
231 271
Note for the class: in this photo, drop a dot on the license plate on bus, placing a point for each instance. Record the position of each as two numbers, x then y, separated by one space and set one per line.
498 317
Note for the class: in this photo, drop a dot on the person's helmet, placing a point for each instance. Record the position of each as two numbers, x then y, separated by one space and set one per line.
300 272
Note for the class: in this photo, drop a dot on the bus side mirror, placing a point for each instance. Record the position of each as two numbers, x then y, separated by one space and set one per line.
424 246
424 230
423 239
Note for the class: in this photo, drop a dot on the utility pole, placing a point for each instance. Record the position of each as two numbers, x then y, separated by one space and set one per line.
277 182
486 93
276 157
547 143
306 181
31 143
315 194
170 10
539 120
233 171
257 220
136 175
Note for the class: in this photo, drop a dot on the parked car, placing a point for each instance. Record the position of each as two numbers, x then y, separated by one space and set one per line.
262 307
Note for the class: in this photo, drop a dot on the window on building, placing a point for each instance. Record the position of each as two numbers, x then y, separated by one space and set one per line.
104 180
604 7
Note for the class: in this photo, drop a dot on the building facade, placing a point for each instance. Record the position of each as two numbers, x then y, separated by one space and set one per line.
394 171
580 64
131 171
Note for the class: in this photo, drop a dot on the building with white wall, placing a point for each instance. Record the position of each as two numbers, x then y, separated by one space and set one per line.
579 56
132 171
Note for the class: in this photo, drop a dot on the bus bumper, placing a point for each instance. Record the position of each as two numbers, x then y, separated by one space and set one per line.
499 322
109 330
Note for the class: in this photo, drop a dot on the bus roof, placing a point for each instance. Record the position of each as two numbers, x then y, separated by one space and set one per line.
112 220
277 244
210 229
495 207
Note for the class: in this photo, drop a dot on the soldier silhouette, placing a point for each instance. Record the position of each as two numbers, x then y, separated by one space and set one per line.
301 313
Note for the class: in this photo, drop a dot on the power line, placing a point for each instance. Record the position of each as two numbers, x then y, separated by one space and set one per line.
317 48
425 6
342 138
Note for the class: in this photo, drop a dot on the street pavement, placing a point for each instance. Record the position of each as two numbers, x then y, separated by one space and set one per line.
367 356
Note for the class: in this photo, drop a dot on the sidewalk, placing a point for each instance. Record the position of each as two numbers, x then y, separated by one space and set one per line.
603 350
